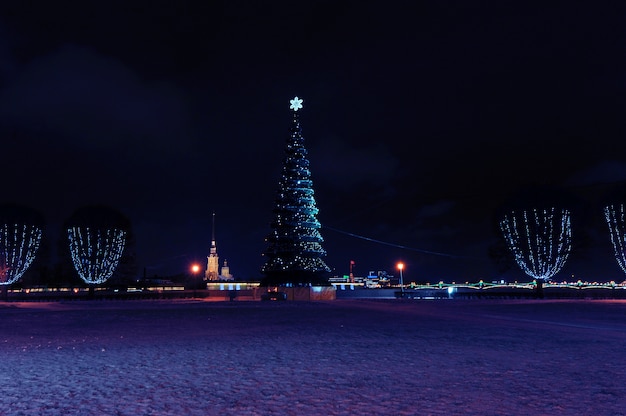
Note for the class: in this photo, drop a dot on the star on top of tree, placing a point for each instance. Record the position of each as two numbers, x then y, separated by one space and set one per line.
296 103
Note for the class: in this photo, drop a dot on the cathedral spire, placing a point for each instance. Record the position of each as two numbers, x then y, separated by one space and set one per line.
213 229
212 272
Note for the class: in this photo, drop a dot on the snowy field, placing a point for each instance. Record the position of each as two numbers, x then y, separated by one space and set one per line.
343 357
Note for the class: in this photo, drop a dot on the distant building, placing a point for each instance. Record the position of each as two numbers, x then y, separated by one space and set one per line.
212 272
225 273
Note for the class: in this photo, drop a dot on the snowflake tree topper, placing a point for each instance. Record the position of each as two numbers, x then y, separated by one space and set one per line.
296 103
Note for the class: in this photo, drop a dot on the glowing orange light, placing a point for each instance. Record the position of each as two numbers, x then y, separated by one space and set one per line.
195 268
400 266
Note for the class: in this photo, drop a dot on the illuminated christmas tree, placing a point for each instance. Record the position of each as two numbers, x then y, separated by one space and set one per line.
540 241
294 253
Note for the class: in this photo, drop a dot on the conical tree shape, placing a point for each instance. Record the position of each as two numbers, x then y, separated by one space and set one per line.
294 253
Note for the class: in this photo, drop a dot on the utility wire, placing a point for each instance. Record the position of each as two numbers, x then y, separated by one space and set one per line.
435 253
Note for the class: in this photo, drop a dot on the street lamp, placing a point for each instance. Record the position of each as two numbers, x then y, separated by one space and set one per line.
400 267
351 274
195 269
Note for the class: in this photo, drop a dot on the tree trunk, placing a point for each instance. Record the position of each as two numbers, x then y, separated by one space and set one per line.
539 289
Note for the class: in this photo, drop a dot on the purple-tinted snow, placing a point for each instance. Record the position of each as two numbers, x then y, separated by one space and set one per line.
343 357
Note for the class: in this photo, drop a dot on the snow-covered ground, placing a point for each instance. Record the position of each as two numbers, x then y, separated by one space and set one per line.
343 357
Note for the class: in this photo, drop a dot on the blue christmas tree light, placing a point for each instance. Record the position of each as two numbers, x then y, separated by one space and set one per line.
294 253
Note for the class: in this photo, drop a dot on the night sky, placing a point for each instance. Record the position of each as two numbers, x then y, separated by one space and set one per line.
421 118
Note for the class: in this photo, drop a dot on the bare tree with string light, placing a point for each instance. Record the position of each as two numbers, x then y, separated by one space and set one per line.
20 238
615 216
540 240
97 238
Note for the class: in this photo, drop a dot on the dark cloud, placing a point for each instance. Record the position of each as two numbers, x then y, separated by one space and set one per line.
7 62
345 166
605 172
95 101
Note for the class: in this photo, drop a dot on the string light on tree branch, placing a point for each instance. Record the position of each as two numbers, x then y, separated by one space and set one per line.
616 220
540 240
18 246
96 253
